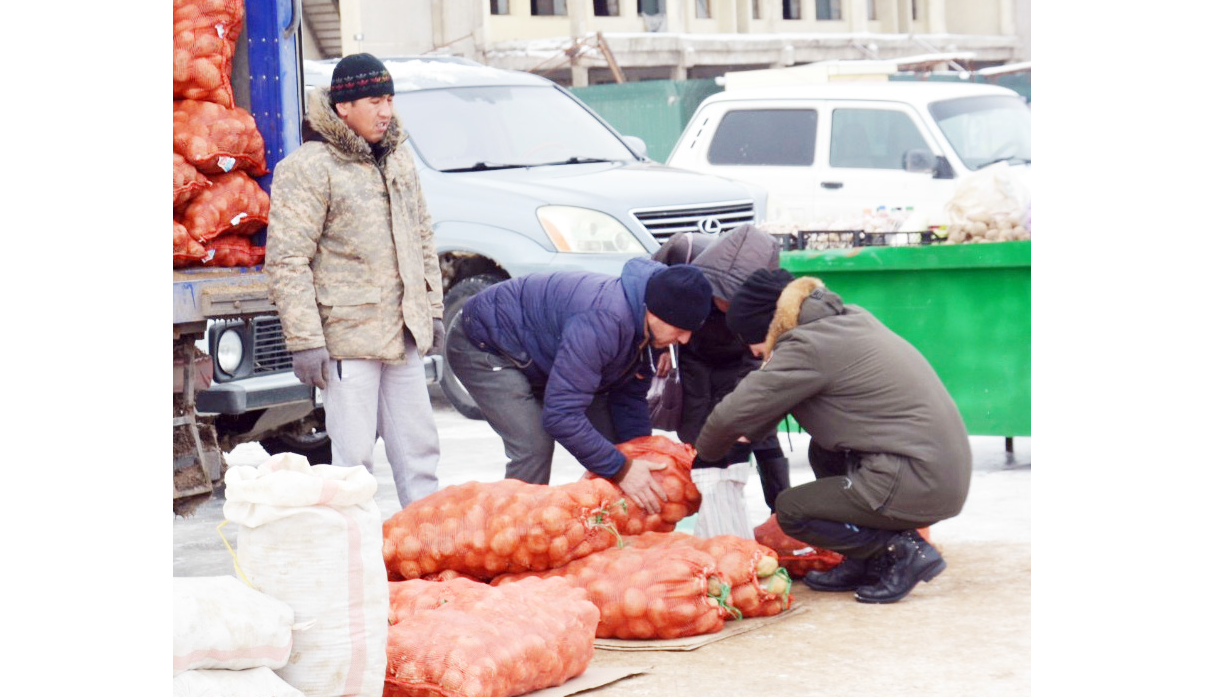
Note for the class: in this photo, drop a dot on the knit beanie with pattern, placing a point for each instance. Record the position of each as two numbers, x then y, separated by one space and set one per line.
360 75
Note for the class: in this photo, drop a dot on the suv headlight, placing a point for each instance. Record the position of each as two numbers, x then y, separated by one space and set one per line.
230 351
573 229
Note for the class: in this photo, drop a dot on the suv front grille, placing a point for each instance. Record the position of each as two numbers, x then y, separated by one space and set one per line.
269 353
709 218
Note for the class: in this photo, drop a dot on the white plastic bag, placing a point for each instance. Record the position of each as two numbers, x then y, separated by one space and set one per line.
723 510
312 537
219 623
990 204
257 682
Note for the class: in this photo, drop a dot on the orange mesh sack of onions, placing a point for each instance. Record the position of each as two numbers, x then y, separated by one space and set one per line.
233 204
758 585
465 638
797 557
647 593
233 250
204 33
217 139
683 496
186 252
186 181
485 529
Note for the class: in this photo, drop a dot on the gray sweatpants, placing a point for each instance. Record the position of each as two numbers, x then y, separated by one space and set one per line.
512 405
371 398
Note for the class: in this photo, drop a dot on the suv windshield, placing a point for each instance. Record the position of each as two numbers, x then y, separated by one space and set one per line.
985 130
486 128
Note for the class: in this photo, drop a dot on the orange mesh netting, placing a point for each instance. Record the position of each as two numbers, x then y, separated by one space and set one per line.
234 203
186 180
645 593
759 587
683 495
216 139
233 250
186 251
464 638
204 33
796 556
485 529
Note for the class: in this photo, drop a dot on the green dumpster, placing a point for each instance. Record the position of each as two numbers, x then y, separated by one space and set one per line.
965 307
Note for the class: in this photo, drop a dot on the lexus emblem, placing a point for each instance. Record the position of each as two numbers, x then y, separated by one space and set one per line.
710 225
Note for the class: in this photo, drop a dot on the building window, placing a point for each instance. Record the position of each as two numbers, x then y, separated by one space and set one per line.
914 10
870 9
828 9
548 7
605 8
791 10
703 9
499 7
873 138
765 137
756 9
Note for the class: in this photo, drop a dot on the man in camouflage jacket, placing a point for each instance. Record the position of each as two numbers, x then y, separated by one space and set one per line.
354 273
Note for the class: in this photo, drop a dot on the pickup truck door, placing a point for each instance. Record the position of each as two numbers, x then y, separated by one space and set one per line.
861 164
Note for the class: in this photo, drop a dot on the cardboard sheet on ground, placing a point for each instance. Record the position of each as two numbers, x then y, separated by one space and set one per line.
731 628
592 678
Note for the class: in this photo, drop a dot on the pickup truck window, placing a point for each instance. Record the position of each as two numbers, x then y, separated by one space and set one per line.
984 130
873 138
486 127
765 137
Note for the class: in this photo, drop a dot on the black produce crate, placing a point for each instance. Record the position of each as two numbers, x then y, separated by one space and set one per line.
826 240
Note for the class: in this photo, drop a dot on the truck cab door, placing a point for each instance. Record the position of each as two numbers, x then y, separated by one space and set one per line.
864 166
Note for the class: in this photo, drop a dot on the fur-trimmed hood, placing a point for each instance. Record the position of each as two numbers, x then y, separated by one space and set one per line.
802 301
323 123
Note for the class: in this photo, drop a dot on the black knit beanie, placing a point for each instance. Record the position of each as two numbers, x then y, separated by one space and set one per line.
753 305
680 296
360 75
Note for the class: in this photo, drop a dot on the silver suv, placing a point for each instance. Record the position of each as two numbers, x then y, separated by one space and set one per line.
520 176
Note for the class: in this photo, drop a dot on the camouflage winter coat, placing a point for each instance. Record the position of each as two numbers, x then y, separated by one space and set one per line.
350 253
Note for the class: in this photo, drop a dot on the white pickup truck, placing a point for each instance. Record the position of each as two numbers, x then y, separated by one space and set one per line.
857 155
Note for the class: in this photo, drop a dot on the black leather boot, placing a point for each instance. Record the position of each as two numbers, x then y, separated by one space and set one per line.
908 560
849 574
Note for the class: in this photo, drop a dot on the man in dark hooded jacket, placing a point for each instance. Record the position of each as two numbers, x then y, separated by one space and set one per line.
715 359
888 446
566 356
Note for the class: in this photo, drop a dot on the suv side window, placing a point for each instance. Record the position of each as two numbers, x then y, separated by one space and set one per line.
765 137
872 138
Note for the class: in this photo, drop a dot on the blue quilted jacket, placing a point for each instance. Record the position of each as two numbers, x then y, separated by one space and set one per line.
578 334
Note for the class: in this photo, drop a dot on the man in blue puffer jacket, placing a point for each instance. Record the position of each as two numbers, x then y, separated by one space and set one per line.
566 356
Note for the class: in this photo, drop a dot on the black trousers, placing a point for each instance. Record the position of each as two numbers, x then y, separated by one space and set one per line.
826 514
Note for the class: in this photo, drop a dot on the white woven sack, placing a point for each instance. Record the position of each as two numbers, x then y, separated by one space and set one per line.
723 510
219 623
257 682
312 537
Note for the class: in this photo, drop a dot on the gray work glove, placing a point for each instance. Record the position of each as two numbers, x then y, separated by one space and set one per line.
311 366
439 336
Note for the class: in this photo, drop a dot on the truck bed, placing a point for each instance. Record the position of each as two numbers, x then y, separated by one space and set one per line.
202 293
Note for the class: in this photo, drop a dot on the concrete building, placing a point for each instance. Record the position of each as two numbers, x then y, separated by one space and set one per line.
583 42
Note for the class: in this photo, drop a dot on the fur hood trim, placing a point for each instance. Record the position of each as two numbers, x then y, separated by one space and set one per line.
786 312
328 125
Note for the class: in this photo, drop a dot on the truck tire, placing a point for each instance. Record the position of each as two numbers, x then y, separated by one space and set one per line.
316 446
455 300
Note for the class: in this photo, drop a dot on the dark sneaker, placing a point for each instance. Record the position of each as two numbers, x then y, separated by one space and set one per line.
849 574
909 560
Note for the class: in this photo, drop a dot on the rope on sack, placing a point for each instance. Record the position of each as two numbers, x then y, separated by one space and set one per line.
230 550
